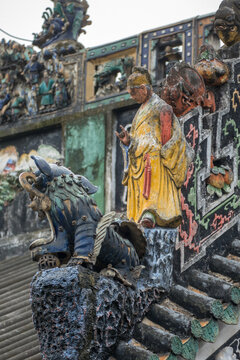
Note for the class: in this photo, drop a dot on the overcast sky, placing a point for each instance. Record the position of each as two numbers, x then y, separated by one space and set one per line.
111 19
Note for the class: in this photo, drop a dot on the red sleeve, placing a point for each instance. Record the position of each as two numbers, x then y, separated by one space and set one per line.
166 115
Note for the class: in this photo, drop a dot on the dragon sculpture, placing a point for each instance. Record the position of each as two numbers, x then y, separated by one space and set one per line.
80 235
64 22
113 272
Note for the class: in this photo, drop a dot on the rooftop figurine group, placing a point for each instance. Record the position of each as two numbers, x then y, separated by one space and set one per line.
157 157
156 160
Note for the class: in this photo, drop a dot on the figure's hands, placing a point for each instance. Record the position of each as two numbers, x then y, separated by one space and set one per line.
123 136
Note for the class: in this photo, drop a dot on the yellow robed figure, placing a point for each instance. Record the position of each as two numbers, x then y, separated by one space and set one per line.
167 163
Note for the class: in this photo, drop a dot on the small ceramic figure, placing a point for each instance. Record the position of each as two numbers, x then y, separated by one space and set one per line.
184 89
33 69
16 53
32 101
15 107
46 91
18 105
9 79
214 71
227 22
64 22
4 98
61 95
111 77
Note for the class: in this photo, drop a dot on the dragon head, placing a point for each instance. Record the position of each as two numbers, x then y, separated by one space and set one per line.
47 172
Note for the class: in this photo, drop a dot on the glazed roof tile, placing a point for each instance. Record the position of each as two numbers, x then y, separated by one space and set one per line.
18 338
179 326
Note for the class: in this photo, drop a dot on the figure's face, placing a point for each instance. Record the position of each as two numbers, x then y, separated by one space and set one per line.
172 95
139 94
225 26
228 35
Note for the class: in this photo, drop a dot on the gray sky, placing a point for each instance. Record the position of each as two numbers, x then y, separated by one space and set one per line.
111 20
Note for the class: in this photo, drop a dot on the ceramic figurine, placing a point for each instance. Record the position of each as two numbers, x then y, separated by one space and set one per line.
50 67
32 101
4 98
9 79
28 51
213 71
153 175
111 77
15 107
227 22
18 105
184 89
33 70
61 95
64 22
46 91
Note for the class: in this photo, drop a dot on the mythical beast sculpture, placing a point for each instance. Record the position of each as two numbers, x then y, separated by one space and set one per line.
78 230
64 22
77 312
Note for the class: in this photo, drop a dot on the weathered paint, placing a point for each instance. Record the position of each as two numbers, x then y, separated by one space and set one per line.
108 101
85 151
9 187
111 48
